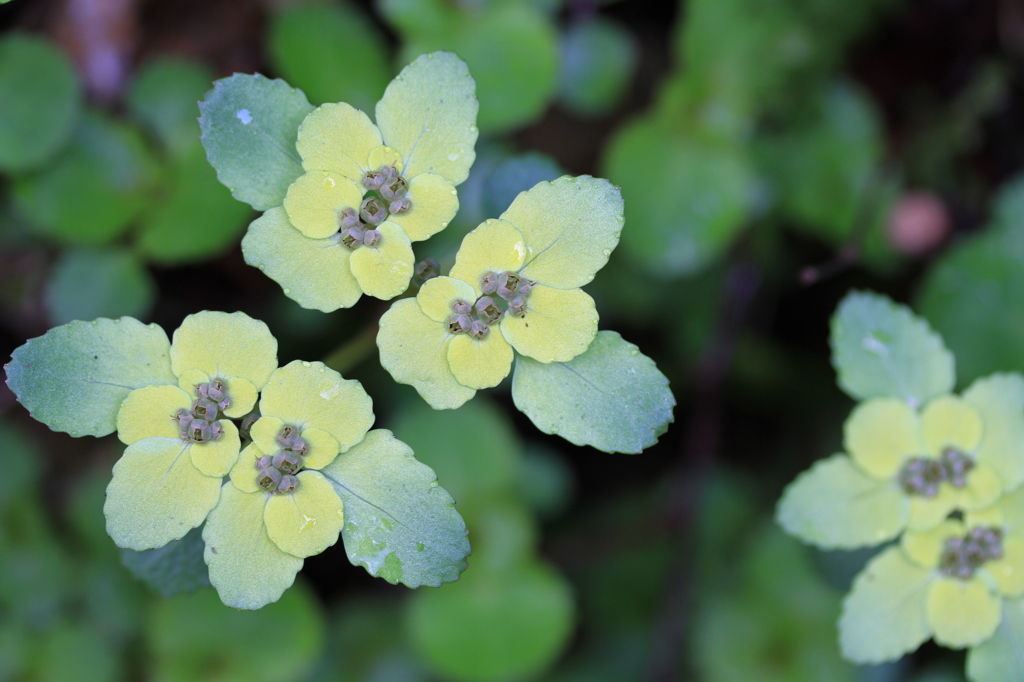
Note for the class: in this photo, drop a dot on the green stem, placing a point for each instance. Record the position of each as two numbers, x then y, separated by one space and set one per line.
352 352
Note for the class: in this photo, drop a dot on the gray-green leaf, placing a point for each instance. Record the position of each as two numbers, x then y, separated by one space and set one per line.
882 349
399 524
90 283
1001 657
75 377
40 104
176 567
250 124
611 397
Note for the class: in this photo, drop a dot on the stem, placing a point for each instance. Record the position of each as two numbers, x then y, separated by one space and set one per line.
352 352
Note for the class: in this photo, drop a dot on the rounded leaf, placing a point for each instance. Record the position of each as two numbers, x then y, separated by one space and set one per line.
315 273
217 457
414 350
434 203
338 138
558 325
999 400
836 505
880 434
884 614
225 345
310 395
246 567
494 246
480 363
428 115
315 200
307 521
438 293
384 271
150 411
962 612
570 227
948 421
156 494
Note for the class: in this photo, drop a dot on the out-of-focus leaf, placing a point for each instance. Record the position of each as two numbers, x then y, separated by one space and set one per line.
512 53
493 625
611 397
514 175
197 219
687 196
972 294
165 98
399 523
176 567
40 103
250 125
90 283
72 652
75 377
195 638
331 52
20 461
882 349
598 58
1001 657
90 194
546 482
473 449
419 18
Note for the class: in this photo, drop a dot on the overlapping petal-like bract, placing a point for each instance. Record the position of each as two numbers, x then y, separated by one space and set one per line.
257 538
165 484
908 594
867 496
552 239
425 132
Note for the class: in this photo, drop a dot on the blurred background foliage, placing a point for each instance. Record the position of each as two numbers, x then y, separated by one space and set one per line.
773 154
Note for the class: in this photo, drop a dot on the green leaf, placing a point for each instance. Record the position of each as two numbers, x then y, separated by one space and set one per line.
598 58
419 18
428 115
971 295
41 102
195 637
478 464
165 97
570 227
611 397
493 625
836 505
884 615
681 231
90 194
399 524
21 462
1001 657
90 283
197 219
75 377
512 52
176 567
72 652
250 125
882 349
332 52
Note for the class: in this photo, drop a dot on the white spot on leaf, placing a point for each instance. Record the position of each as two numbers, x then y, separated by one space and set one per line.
244 116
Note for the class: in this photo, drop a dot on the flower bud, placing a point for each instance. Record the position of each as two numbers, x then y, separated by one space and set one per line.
200 431
373 211
517 306
352 237
487 309
288 484
217 390
426 268
478 330
394 188
461 306
287 462
458 324
349 218
489 282
371 238
204 408
263 462
374 179
400 205
268 479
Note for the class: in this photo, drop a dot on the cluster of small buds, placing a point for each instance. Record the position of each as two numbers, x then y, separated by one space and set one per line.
278 473
923 475
962 556
200 425
503 293
386 194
